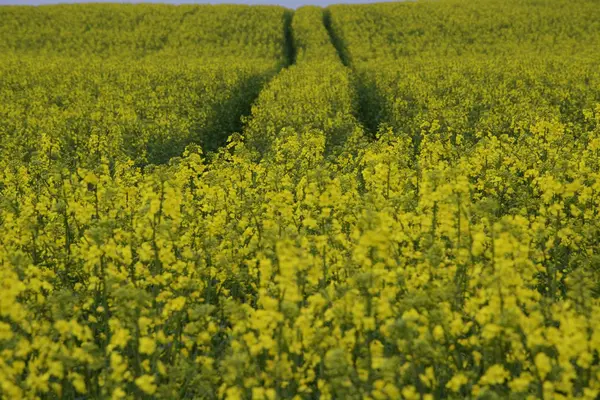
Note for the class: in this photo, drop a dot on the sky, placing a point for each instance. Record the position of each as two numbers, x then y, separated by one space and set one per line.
287 3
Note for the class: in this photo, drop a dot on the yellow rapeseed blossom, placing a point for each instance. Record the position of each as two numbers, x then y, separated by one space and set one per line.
146 384
457 381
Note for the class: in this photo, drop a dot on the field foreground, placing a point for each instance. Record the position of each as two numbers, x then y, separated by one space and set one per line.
396 200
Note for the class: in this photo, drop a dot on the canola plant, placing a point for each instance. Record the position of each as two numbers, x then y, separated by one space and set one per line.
243 202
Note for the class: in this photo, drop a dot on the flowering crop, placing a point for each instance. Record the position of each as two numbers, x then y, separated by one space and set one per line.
435 253
144 31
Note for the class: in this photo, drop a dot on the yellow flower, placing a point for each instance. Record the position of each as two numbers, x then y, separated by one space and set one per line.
457 381
5 331
495 375
260 393
585 359
118 394
234 393
120 338
521 383
438 333
543 364
146 384
410 393
78 382
147 345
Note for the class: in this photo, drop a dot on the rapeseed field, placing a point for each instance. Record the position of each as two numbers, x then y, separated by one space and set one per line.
384 201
